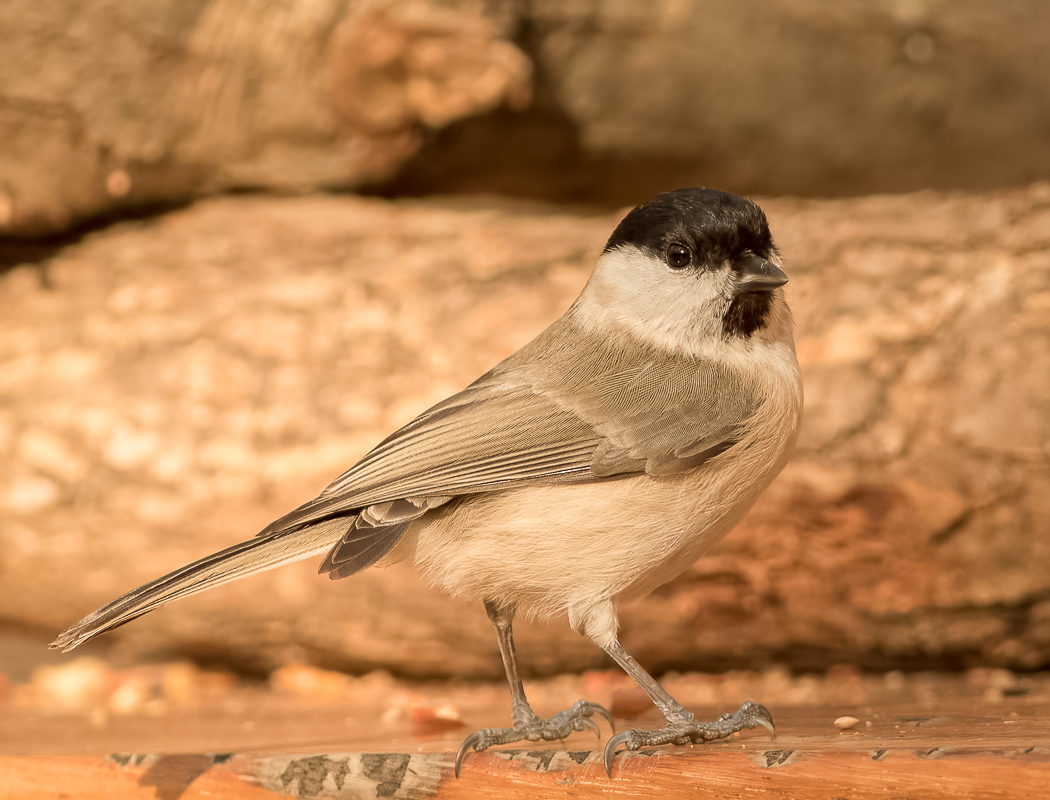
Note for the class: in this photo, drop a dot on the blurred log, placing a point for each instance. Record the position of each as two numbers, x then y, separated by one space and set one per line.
106 108
171 386
763 96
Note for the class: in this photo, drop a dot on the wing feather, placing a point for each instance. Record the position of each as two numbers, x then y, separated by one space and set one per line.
570 406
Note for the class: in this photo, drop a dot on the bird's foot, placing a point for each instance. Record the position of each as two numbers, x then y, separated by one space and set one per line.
689 731
559 726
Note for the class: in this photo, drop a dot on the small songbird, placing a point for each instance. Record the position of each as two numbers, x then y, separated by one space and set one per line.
596 463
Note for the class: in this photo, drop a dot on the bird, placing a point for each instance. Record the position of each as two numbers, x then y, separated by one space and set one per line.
600 460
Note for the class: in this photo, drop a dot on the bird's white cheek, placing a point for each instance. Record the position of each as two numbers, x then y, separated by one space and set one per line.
659 306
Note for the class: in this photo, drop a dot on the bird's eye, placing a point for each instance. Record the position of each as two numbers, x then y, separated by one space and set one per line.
677 256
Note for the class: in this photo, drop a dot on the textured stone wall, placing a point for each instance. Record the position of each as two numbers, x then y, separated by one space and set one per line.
171 385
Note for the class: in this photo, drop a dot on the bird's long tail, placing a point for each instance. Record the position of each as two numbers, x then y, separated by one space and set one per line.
255 555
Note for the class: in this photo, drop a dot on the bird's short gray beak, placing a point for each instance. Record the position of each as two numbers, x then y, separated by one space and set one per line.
759 275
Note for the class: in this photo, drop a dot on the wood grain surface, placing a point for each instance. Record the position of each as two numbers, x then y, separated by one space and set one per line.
908 754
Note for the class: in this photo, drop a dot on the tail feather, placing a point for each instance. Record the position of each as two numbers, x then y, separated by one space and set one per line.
246 558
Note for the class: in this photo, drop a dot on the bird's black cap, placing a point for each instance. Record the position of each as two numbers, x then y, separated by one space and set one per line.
718 225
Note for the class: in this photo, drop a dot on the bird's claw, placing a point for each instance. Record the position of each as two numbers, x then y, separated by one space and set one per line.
610 749
756 714
689 731
603 711
577 718
588 724
470 743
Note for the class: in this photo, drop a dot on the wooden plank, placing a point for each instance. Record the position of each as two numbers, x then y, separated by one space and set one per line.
923 737
759 770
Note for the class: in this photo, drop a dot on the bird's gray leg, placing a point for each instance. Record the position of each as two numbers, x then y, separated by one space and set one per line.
682 727
526 725
521 712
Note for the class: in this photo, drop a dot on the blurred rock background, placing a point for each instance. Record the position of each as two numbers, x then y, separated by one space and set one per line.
202 321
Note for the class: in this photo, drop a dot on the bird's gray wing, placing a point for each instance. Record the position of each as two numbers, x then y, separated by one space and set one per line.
574 409
570 406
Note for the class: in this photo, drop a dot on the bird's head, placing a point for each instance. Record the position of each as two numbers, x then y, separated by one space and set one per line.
691 266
